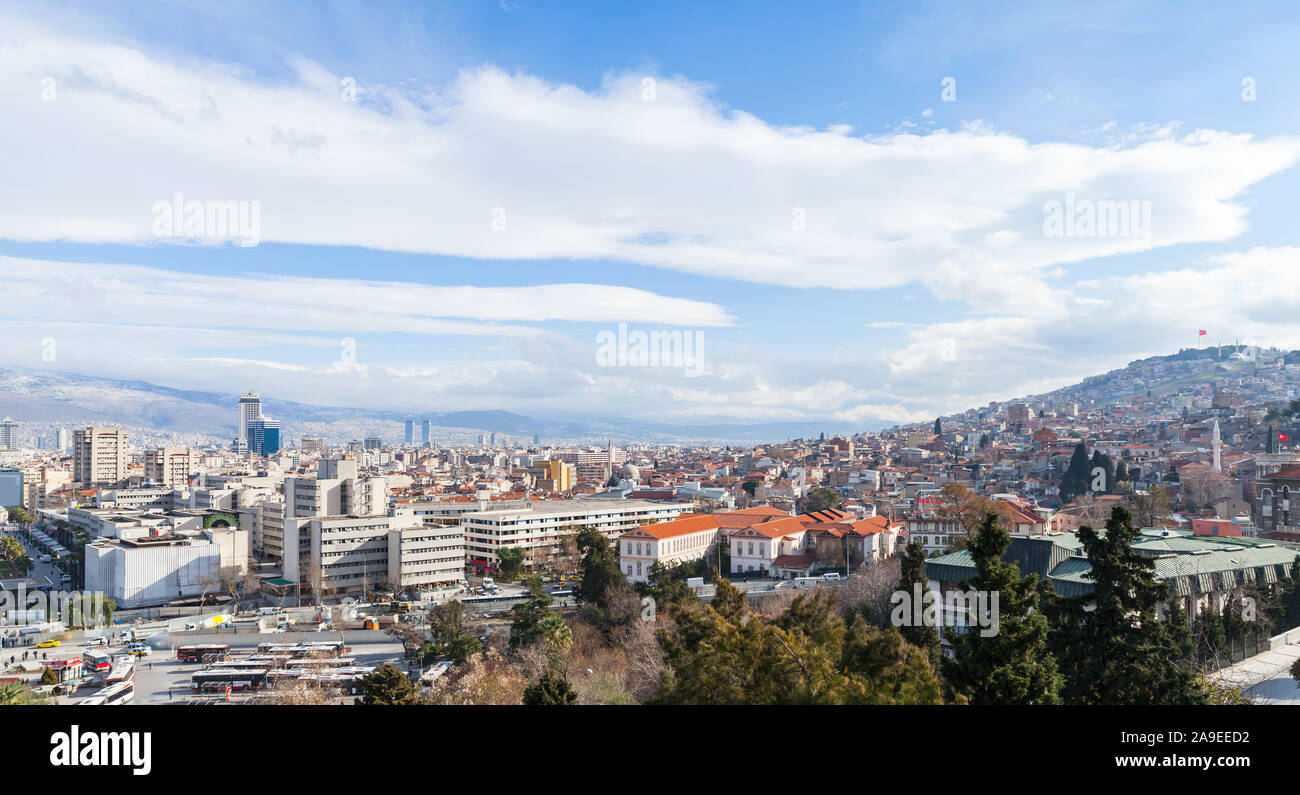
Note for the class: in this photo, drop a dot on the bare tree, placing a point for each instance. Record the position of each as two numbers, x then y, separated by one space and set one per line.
869 591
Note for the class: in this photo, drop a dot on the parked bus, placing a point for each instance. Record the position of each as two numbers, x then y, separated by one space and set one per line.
123 671
120 693
315 648
311 663
350 681
204 652
218 679
97 663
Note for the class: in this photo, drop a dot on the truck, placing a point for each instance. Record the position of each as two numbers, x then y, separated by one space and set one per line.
488 582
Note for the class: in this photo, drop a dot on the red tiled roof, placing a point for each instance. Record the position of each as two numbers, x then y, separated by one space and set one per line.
676 527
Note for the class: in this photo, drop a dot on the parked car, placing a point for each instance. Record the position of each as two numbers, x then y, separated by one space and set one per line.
138 649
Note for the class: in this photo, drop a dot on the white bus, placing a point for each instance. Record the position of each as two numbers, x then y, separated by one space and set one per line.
112 695
123 671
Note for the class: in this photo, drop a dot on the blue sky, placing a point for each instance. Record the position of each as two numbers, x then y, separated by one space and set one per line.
923 216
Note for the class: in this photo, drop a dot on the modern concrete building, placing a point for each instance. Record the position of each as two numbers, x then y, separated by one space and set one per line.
170 466
8 434
426 557
99 457
540 528
335 491
153 570
249 409
11 488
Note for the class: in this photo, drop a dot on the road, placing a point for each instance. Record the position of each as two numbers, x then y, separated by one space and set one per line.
41 569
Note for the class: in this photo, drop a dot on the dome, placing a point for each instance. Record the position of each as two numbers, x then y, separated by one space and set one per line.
630 472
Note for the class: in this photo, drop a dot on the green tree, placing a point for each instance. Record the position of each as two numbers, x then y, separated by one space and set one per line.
552 689
938 427
1110 645
16 693
1102 461
721 654
821 500
388 686
911 582
1288 599
1077 476
601 578
512 563
667 584
49 677
534 620
20 516
451 638
1013 664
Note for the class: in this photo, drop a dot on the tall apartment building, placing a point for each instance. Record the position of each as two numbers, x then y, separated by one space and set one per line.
424 432
540 529
99 457
8 434
170 466
410 432
249 409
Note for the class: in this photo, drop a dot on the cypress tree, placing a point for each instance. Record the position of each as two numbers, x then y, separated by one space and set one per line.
1077 475
913 574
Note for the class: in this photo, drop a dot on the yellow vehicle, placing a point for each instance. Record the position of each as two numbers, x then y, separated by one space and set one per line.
47 644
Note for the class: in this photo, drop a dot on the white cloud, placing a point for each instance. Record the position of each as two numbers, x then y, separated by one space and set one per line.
136 294
678 182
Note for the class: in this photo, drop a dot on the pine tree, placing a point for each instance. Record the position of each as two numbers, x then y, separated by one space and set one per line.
551 689
938 427
1119 652
1013 664
1121 473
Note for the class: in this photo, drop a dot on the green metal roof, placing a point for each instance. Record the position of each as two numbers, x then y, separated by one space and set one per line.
1190 564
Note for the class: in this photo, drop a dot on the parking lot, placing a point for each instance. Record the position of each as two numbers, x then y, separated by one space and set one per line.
162 679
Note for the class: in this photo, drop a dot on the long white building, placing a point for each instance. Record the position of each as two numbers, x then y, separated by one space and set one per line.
540 528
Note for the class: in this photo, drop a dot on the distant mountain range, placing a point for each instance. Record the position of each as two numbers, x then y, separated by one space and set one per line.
43 396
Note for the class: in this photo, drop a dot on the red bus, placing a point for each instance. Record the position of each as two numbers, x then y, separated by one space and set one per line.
97 663
204 652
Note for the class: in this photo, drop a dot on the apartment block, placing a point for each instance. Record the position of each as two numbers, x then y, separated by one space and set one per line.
99 457
170 466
